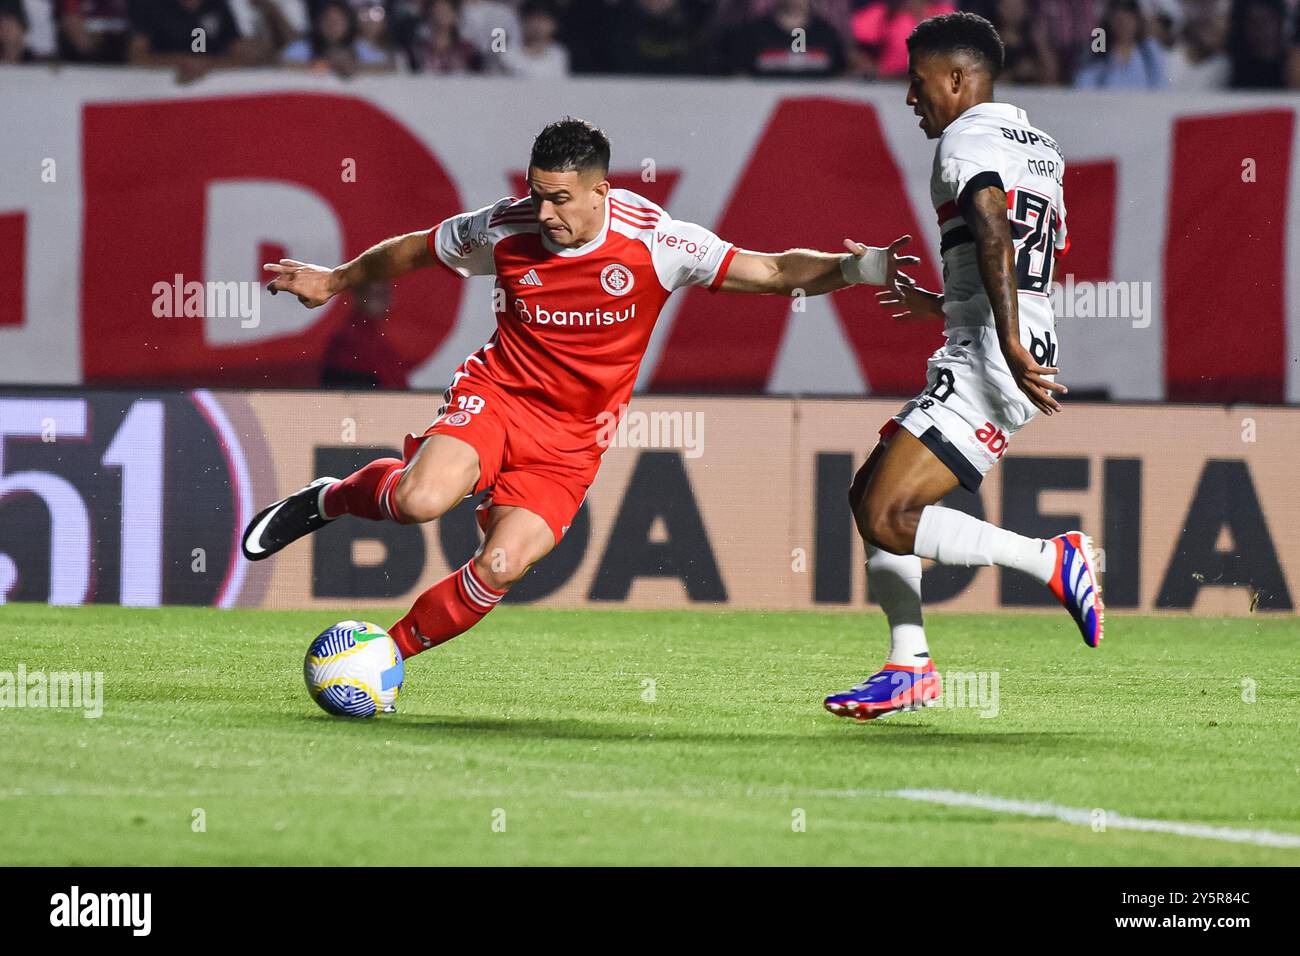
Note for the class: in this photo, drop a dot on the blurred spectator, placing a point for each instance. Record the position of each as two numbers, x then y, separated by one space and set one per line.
585 29
1125 57
270 25
1029 56
1164 20
657 37
770 46
881 29
42 26
1069 25
403 25
439 47
358 355
491 27
372 32
13 34
335 43
1198 60
296 14
733 13
536 55
1257 45
195 36
94 31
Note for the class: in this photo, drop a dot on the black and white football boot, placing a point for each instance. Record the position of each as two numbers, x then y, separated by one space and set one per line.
286 521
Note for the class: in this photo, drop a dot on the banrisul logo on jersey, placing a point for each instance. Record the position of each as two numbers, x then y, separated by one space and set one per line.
537 314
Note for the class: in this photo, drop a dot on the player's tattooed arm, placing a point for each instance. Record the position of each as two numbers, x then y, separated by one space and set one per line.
315 285
807 272
986 215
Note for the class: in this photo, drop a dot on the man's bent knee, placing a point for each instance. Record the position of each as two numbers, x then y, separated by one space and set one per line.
889 526
499 569
517 542
416 502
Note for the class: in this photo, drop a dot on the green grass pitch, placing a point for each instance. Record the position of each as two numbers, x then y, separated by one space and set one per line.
540 721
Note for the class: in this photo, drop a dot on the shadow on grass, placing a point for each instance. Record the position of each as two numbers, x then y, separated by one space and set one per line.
880 735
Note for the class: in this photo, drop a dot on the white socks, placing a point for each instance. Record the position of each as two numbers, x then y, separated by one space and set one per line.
896 583
949 537
953 537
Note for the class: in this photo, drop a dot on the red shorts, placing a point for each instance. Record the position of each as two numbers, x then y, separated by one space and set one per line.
524 459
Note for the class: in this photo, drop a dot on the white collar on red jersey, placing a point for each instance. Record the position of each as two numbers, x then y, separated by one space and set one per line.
586 247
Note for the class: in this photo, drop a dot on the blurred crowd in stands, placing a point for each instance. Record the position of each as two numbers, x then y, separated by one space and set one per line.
1112 44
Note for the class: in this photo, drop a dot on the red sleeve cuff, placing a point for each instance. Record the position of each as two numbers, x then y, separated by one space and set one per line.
721 274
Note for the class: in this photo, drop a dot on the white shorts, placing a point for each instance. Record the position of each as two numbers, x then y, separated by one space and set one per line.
971 405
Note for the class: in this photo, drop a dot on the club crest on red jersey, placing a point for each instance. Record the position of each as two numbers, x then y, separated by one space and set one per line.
616 279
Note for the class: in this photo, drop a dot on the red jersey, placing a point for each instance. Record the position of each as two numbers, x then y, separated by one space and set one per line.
573 324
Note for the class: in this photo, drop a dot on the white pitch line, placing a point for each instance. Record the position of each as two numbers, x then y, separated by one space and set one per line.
1113 821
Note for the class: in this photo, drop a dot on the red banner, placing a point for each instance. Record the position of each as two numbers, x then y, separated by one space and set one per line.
131 248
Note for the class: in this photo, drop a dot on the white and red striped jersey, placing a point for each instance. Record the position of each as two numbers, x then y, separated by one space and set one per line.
573 324
993 144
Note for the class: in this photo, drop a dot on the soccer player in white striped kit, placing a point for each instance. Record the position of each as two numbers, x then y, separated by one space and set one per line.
996 187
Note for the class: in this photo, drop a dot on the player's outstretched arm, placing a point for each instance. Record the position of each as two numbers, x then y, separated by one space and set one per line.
986 215
315 285
807 272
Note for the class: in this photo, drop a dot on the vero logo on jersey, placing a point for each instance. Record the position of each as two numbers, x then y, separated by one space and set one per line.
688 246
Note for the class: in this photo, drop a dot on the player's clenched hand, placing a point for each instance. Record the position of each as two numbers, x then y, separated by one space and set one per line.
1029 376
907 300
313 285
875 265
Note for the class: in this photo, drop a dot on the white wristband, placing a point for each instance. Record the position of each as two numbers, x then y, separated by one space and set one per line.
870 267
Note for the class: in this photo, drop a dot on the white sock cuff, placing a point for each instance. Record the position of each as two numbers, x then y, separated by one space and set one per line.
954 537
906 566
929 532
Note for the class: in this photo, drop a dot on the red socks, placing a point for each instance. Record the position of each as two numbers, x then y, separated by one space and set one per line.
367 493
450 607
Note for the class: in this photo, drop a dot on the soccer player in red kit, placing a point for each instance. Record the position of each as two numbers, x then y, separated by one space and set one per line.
582 271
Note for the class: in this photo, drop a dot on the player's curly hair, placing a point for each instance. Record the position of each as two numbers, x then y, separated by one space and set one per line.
570 144
960 32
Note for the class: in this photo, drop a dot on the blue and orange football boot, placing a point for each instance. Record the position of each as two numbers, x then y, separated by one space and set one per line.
895 688
1077 586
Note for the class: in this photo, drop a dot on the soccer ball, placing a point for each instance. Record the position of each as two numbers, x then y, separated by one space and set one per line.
354 669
